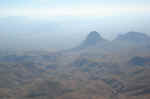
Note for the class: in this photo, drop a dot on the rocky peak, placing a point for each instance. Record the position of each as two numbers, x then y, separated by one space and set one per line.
92 38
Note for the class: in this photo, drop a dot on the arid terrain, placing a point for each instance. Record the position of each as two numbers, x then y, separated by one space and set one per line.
96 69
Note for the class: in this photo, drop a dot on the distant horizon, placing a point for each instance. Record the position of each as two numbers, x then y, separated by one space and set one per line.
63 24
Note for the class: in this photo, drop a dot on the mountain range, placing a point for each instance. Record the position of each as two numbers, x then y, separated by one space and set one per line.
95 39
95 69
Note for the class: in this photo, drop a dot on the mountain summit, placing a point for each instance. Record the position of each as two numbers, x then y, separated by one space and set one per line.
135 37
92 39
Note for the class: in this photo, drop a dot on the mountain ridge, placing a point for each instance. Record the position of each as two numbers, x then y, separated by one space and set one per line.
95 40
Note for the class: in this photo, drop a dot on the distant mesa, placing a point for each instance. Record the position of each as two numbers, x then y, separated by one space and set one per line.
137 60
136 37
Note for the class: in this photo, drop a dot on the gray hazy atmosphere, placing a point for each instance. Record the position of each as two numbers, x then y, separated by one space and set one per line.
53 25
74 49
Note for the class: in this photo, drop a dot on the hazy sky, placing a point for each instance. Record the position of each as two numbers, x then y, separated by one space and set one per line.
45 8
63 23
